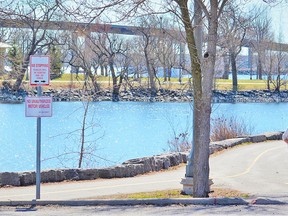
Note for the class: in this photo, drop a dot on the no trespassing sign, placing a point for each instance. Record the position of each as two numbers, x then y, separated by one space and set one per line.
38 106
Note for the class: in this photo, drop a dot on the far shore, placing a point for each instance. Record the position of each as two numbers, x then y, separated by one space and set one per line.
144 95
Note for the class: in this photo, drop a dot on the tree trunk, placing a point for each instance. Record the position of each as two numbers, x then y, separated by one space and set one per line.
82 148
202 103
20 76
115 87
226 67
164 73
259 67
201 186
94 82
269 78
150 73
101 70
278 78
169 70
234 70
106 71
201 140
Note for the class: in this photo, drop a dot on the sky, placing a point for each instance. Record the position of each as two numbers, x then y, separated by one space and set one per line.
279 15
280 20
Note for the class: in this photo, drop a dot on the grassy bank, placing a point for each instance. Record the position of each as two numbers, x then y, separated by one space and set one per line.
73 81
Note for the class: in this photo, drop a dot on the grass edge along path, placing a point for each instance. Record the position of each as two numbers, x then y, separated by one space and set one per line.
170 194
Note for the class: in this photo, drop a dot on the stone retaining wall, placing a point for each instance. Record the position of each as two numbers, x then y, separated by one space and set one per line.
128 168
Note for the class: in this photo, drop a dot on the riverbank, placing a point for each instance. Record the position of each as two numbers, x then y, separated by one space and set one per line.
144 95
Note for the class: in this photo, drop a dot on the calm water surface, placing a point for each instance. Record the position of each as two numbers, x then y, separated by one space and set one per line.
115 131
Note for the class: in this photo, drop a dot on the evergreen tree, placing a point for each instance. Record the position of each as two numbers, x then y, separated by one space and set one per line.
15 59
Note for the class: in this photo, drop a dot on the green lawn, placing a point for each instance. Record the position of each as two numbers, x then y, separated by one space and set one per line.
71 81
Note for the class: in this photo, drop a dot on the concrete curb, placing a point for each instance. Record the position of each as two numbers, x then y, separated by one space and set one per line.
156 202
268 201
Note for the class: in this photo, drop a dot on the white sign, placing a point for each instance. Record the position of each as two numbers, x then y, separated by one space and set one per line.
39 70
38 106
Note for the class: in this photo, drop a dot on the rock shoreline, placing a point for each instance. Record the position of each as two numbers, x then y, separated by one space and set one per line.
144 95
128 168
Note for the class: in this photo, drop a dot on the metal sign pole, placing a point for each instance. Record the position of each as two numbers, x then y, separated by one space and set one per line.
39 76
38 151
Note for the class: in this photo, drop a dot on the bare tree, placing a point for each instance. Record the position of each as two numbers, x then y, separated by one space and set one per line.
82 55
137 59
232 31
167 48
261 33
202 88
275 68
115 47
147 24
81 152
32 17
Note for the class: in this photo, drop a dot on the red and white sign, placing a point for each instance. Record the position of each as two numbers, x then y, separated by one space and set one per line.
39 70
38 106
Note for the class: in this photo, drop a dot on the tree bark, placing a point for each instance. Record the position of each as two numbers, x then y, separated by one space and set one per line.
234 70
259 67
116 87
226 67
82 148
150 71
164 73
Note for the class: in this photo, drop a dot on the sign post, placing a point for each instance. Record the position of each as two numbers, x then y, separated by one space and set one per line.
39 106
38 151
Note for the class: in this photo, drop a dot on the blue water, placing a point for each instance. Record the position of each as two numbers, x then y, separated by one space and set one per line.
115 131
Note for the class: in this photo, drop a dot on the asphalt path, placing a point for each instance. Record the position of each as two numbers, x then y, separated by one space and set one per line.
260 169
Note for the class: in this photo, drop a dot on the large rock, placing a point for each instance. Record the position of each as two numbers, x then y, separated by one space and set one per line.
274 135
52 176
9 178
229 142
71 174
88 174
147 162
107 173
27 178
258 138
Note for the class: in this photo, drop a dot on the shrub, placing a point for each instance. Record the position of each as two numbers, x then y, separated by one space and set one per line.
221 128
226 128
6 84
180 143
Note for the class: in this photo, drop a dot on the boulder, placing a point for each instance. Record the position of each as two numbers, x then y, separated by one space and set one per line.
258 138
107 173
9 178
71 174
27 178
273 135
88 174
52 176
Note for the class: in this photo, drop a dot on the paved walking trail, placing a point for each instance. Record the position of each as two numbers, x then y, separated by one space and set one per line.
260 169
